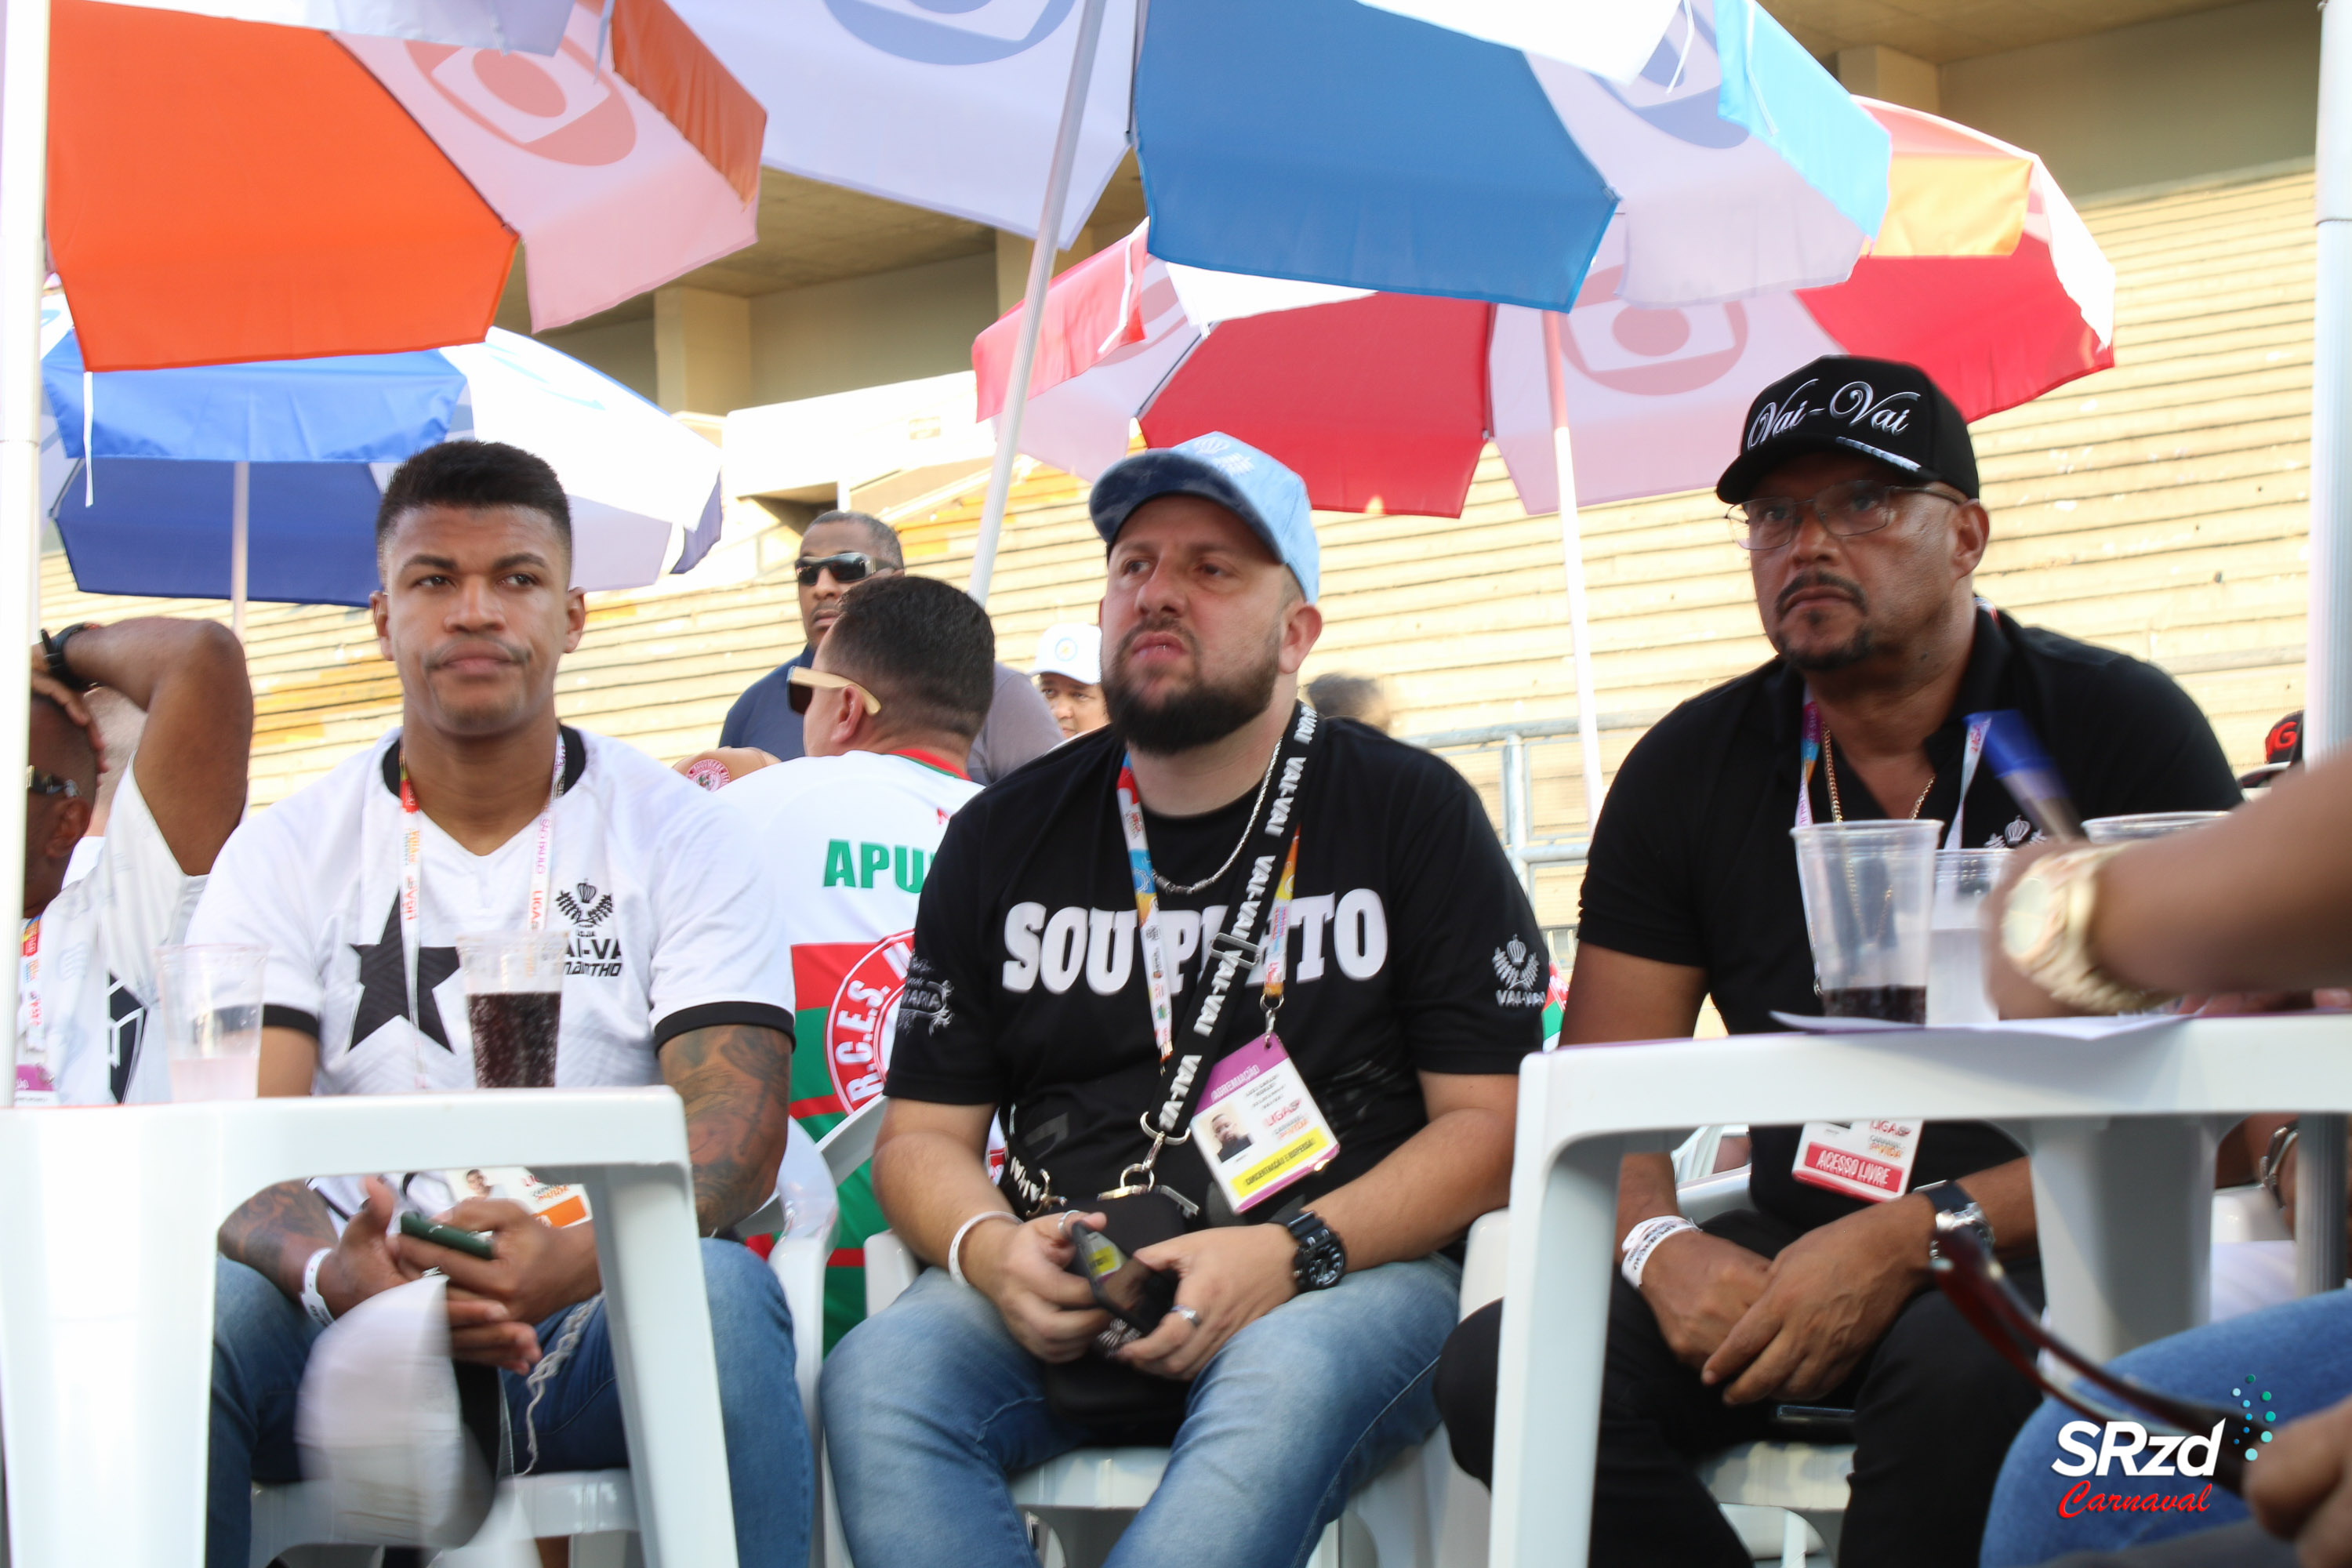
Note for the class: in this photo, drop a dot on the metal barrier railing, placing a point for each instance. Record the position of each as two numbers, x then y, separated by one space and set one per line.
1515 747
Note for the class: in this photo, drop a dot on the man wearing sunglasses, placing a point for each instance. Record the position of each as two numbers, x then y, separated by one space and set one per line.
1855 498
841 550
87 973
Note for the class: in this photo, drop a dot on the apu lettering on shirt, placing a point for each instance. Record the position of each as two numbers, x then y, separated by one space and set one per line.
848 866
1349 930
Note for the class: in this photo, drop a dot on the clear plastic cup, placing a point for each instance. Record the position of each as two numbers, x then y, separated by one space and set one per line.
2147 824
1956 975
1870 894
514 1005
208 1004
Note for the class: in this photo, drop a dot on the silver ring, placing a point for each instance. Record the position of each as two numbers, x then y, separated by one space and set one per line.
1068 1215
1187 1313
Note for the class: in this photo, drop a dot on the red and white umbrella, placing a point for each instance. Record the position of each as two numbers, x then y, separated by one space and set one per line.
224 191
1982 275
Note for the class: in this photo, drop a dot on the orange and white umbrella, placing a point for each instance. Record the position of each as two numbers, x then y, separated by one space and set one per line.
223 191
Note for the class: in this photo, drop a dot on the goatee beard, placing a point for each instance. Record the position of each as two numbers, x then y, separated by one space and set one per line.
1815 661
1197 715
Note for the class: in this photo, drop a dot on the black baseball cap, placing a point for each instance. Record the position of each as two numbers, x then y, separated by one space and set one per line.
1881 408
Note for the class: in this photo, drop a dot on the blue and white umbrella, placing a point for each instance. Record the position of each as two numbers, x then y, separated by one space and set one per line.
1474 148
178 483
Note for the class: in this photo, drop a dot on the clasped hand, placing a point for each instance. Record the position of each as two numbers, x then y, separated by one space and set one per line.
1230 1275
534 1271
1794 1326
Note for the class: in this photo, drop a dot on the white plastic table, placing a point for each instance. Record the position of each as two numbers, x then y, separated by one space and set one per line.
2121 1131
108 1234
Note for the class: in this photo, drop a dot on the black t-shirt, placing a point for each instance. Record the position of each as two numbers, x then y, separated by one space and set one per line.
1412 949
1692 862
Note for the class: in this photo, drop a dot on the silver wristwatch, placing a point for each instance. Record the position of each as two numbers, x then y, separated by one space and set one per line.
1954 1210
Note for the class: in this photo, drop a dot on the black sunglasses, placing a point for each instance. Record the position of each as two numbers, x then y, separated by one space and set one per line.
39 783
849 567
1974 1280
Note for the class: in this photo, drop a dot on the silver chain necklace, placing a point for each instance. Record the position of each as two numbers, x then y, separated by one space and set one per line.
1166 886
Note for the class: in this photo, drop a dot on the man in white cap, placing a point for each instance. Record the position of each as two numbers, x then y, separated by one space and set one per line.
1069 677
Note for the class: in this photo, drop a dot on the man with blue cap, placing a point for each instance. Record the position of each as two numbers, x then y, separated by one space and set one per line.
1248 991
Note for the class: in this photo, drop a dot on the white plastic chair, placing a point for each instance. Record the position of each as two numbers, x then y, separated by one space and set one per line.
583 1504
1419 1512
106 1322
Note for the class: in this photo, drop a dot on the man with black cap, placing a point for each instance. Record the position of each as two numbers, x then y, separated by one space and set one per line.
1856 498
1304 932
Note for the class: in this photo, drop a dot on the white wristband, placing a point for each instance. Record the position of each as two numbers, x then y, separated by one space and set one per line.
955 1247
313 1302
1643 1239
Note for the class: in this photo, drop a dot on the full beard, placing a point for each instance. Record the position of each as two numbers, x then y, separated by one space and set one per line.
1197 715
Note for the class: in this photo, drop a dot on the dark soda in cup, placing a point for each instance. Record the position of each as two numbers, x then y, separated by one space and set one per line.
514 1003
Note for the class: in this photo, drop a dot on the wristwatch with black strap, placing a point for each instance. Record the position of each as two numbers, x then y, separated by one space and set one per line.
1954 1210
53 654
1322 1260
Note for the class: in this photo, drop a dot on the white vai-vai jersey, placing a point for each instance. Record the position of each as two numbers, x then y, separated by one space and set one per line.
671 928
848 841
87 978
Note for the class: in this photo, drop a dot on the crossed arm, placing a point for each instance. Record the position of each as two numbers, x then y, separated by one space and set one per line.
734 1079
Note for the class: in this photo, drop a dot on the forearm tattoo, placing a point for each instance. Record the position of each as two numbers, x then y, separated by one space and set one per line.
274 1232
736 1080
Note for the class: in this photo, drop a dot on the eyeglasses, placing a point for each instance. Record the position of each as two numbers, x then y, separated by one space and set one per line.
1968 1274
849 567
800 683
1856 507
39 783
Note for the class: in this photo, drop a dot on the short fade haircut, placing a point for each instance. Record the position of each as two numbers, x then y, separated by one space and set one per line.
1344 696
880 537
925 651
473 474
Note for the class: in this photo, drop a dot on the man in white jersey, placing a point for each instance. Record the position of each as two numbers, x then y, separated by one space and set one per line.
850 829
478 809
85 965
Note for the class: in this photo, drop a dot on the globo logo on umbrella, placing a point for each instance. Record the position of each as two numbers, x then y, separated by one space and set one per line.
951 32
559 107
1646 353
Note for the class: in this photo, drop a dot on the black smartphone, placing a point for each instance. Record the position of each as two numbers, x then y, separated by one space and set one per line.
1812 1423
474 1243
1135 1293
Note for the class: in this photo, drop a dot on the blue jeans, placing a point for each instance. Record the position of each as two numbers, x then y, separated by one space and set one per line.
929 1405
2300 1353
261 1343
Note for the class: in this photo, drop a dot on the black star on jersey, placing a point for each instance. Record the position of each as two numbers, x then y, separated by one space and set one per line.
383 984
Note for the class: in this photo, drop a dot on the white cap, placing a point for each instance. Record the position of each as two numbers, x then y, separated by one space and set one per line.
1073 650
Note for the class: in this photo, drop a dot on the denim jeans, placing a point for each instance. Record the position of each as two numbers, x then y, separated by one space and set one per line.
261 1343
929 1405
2299 1353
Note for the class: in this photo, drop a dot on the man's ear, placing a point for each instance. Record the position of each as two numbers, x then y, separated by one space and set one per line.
380 607
70 821
1302 625
1972 531
575 617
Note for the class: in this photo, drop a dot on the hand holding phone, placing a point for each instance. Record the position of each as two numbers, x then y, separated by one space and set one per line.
1134 1292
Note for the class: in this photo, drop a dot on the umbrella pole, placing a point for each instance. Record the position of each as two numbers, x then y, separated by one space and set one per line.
1572 539
240 517
2319 1241
1032 301
24 268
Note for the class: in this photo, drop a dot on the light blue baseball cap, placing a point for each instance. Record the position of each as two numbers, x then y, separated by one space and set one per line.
1233 474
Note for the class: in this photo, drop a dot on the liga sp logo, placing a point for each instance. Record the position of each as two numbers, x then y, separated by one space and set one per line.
860 1018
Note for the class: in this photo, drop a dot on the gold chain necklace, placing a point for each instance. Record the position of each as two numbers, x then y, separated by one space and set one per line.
1837 808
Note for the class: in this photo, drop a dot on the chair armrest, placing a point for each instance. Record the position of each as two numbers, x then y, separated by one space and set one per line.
891 1268
851 1142
1703 1200
1483 1260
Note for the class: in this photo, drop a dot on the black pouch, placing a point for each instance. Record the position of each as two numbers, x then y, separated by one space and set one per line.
1120 1406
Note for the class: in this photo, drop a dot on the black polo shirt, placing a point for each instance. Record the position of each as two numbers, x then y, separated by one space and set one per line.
1692 862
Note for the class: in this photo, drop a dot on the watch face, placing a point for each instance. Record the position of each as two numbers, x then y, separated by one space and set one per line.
1321 1266
2026 923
